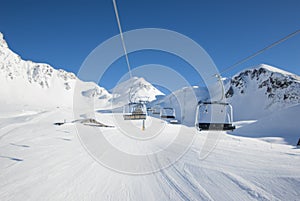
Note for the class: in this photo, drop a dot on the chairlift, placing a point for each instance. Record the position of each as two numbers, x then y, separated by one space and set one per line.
214 116
156 109
168 114
205 120
135 111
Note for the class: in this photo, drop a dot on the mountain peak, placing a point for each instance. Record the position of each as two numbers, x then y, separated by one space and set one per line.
135 89
2 41
136 79
272 69
263 88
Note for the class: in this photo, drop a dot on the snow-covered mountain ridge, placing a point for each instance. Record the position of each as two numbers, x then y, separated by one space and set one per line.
134 90
30 83
13 67
262 90
272 80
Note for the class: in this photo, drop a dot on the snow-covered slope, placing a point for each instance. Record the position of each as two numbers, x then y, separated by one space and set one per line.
41 161
279 127
39 84
259 91
184 101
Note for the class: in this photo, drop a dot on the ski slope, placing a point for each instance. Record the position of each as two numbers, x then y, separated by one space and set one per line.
41 161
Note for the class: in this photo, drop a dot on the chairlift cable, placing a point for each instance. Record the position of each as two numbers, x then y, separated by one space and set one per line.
259 52
138 113
124 47
255 54
122 38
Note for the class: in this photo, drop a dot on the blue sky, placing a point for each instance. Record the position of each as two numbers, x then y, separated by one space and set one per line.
63 33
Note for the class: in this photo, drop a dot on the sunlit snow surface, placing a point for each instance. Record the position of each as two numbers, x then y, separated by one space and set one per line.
41 161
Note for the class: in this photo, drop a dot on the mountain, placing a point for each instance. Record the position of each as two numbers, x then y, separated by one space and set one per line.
134 90
38 84
27 83
254 93
261 90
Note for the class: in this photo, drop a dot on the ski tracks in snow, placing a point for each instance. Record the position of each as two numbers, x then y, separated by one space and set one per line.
190 182
254 191
216 177
183 184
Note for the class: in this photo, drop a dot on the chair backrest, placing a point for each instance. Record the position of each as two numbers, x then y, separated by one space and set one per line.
214 112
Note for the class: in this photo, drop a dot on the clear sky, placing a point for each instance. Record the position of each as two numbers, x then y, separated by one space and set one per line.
62 33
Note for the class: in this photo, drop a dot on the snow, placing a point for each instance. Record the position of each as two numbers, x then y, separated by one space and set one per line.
184 101
259 91
39 84
273 69
282 124
43 161
40 161
137 88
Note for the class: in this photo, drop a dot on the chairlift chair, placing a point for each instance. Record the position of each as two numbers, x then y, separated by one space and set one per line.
214 116
135 111
156 109
169 115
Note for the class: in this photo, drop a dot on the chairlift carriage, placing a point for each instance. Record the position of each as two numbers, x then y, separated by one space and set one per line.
169 115
214 116
156 109
135 111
